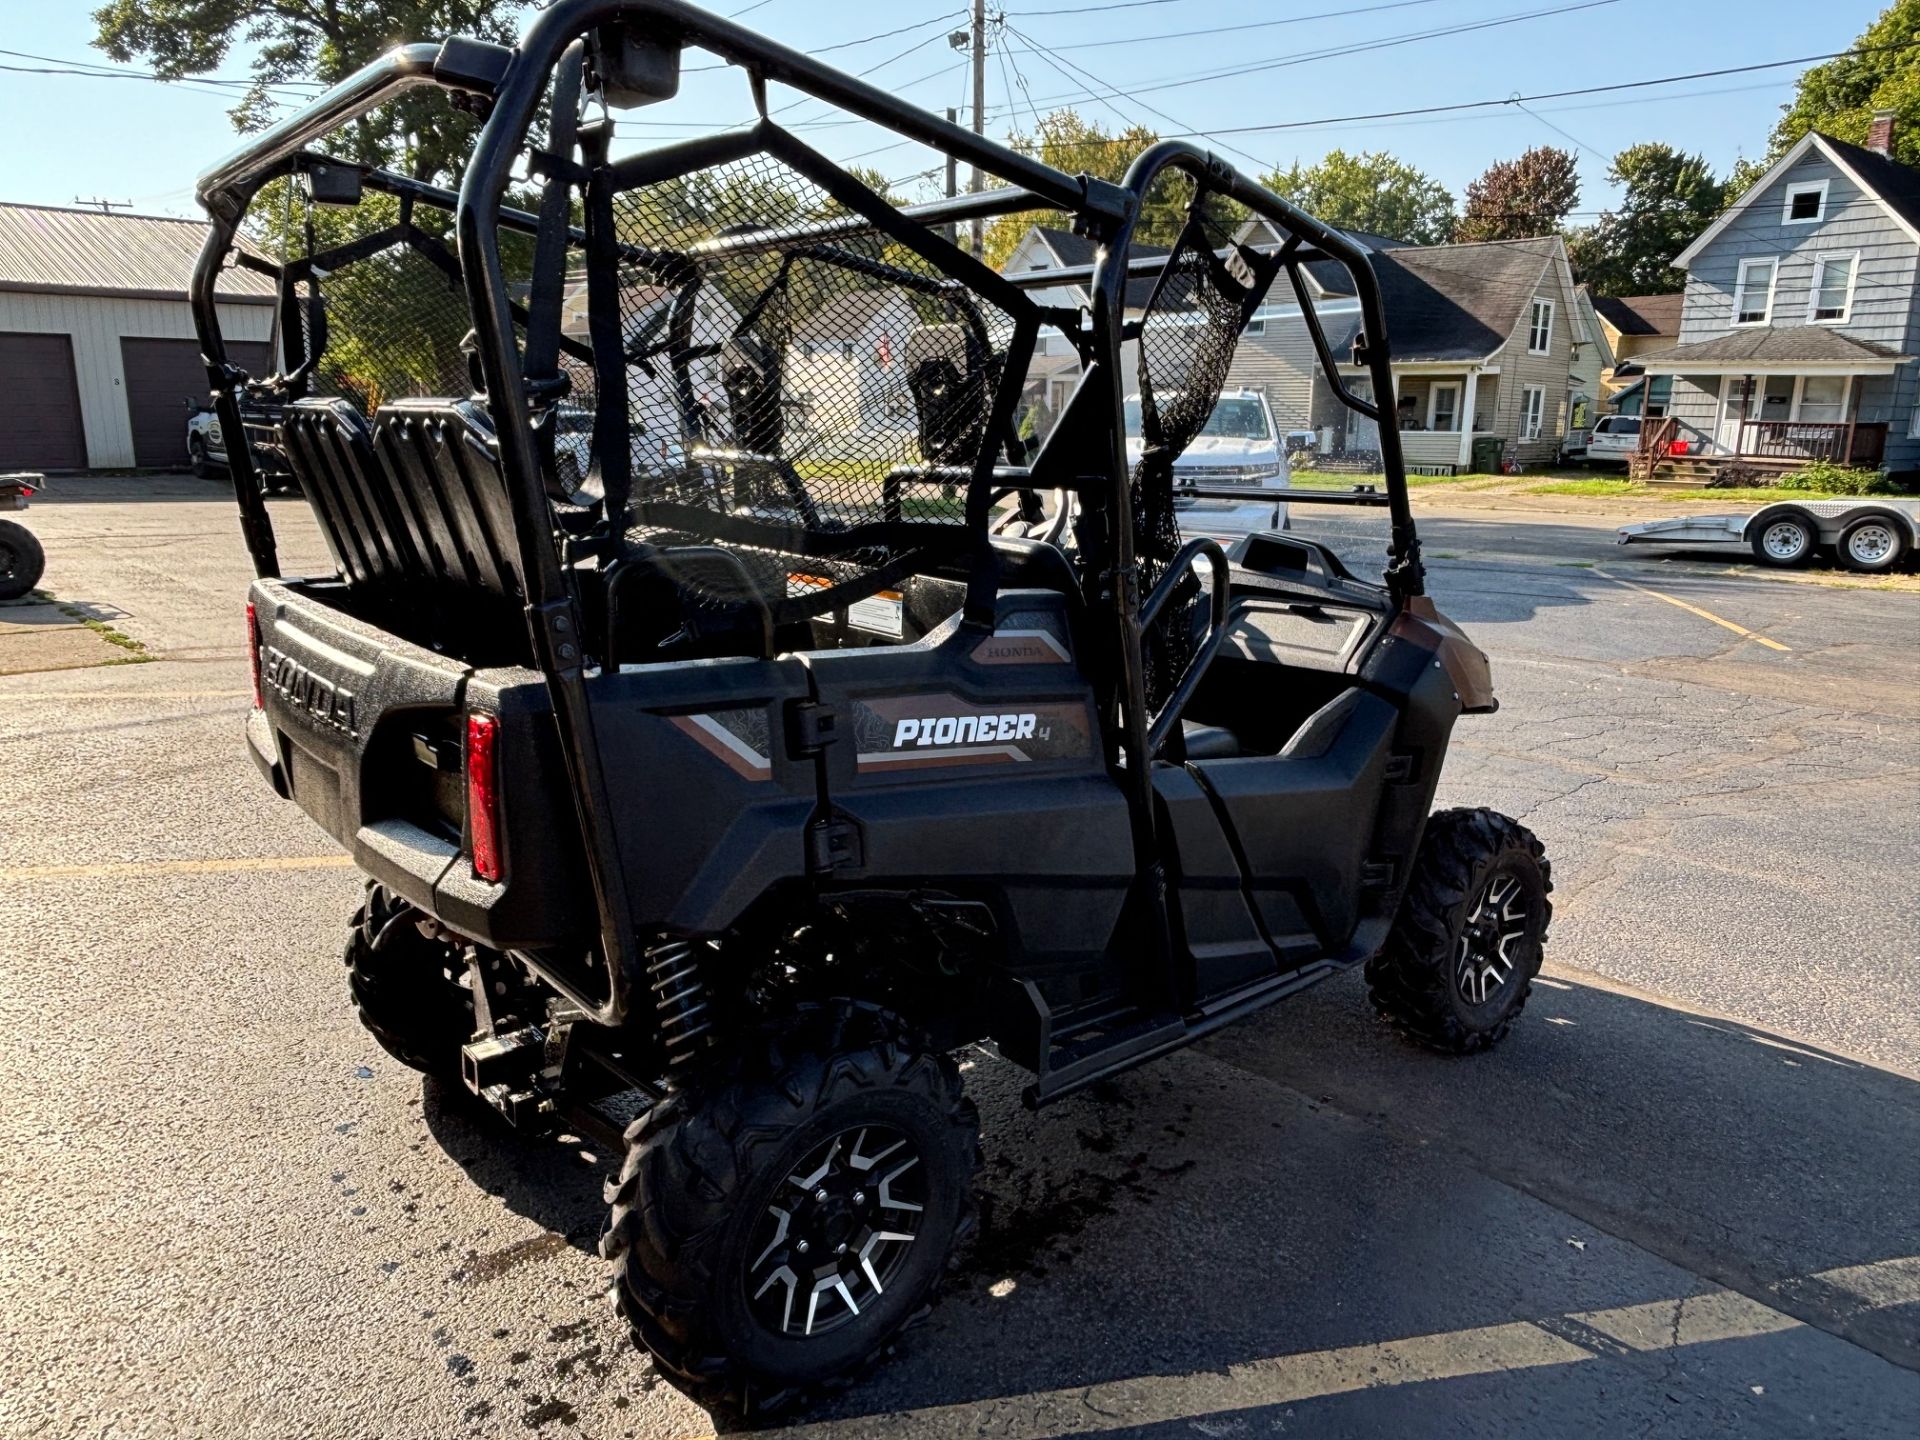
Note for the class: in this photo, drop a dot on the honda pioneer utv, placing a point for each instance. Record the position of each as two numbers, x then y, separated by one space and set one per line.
738 706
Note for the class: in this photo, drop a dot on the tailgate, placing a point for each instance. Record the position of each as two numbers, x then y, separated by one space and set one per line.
365 732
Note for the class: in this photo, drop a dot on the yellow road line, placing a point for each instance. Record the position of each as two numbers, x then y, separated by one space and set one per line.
49 695
1739 630
140 869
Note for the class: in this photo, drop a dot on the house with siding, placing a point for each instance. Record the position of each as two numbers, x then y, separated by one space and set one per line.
1633 325
1482 338
1800 324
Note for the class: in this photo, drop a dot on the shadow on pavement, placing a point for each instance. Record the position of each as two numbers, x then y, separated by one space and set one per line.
1628 1214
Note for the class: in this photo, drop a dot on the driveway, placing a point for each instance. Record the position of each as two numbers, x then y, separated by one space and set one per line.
1684 1197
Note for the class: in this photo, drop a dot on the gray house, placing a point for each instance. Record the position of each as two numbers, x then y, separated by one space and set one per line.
1483 339
1800 321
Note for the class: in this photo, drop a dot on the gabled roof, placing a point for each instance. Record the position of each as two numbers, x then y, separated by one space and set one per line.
1640 314
850 313
1330 277
1771 345
52 249
1072 250
1895 186
1459 302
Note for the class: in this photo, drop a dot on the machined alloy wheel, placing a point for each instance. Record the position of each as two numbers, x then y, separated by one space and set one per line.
792 1205
1871 545
837 1233
1784 541
1459 962
1486 957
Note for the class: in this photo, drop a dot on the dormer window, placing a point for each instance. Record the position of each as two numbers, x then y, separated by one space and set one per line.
1753 291
1806 203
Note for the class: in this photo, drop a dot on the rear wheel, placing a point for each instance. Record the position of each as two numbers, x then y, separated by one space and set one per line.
779 1220
410 991
1872 545
1785 541
1460 960
22 561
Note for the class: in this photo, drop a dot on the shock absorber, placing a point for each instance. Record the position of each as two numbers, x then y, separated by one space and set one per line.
680 1000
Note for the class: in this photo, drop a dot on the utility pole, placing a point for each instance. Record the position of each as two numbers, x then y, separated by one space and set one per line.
105 207
979 112
953 172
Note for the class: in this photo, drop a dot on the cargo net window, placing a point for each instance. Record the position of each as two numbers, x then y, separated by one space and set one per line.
1195 311
380 322
811 403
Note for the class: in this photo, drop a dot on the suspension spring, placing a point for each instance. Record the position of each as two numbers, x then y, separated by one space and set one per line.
680 1001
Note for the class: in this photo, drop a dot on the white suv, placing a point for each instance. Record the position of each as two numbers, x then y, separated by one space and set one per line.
1614 439
1238 446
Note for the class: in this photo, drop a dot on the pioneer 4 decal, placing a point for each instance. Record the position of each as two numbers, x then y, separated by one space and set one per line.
905 731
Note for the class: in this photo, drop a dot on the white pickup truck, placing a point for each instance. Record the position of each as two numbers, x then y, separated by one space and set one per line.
1238 446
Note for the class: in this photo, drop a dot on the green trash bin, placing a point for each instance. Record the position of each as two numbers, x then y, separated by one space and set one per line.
1487 450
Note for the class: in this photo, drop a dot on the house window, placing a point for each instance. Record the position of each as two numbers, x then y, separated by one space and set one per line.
1443 408
1533 410
1540 328
1659 395
1753 292
1256 326
1806 203
1823 399
1831 297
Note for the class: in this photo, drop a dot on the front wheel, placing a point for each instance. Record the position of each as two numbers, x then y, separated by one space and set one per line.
1460 960
22 561
1785 541
780 1219
197 456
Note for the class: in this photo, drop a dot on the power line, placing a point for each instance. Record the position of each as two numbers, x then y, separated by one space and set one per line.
1230 29
944 18
1086 74
1359 47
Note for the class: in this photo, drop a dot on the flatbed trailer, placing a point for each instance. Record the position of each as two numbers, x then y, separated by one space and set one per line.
1868 534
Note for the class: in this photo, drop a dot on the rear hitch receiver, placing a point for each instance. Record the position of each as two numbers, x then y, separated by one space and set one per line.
505 1071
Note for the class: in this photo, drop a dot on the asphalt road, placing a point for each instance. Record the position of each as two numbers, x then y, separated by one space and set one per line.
1684 1198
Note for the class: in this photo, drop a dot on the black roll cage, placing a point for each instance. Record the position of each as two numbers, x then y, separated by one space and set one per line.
508 86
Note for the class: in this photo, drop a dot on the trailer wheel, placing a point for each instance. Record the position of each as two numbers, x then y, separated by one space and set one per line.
1786 540
1871 545
410 991
22 561
779 1219
1460 960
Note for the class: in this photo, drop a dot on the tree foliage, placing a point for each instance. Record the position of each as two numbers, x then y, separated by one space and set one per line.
419 133
1372 191
1520 199
1071 143
1839 97
1670 198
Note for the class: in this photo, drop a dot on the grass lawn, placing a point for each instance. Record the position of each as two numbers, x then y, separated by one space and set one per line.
1743 494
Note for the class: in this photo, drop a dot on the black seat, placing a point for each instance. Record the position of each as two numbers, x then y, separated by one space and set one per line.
1312 740
443 486
329 449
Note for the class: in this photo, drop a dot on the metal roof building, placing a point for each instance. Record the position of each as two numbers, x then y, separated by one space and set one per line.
97 349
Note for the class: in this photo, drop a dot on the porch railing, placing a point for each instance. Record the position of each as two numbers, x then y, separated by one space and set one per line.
1844 442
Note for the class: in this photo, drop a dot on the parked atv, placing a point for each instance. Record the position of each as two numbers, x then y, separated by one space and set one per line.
22 561
851 730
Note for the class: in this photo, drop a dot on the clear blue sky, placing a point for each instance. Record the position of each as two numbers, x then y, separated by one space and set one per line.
130 139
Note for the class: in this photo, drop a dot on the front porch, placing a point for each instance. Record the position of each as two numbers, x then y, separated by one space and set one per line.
1766 401
1440 414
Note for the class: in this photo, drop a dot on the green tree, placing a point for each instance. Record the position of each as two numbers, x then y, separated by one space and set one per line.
1078 146
1670 198
323 40
1839 97
1371 191
1519 199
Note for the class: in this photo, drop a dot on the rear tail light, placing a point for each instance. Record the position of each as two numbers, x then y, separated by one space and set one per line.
483 795
253 653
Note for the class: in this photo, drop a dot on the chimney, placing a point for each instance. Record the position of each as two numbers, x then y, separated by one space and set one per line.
1880 133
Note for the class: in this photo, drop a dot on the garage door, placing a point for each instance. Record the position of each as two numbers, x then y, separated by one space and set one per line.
39 404
161 375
